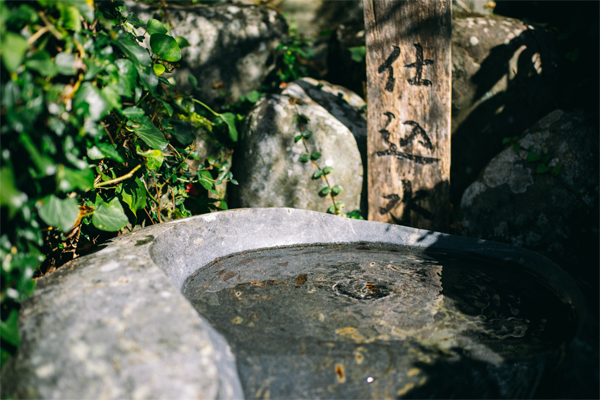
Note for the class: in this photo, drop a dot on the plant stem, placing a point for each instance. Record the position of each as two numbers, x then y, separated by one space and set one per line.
207 107
122 178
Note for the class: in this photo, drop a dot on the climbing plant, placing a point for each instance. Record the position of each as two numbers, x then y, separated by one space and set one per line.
95 140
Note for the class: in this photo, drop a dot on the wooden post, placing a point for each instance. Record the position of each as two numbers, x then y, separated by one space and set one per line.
408 93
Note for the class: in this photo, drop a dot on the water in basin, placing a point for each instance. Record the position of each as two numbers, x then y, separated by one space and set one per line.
376 321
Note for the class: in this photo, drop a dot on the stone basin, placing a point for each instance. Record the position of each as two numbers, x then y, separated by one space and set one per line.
286 303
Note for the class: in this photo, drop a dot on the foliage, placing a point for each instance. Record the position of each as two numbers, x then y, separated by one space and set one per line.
533 157
94 139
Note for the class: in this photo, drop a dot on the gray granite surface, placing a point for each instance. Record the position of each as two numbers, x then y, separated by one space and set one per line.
114 324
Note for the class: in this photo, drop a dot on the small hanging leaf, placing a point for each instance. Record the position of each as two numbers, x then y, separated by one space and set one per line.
516 148
159 69
327 170
9 329
304 158
10 196
58 213
331 210
229 119
317 174
109 216
193 81
134 20
307 134
315 155
183 132
165 47
167 107
297 138
127 77
155 26
337 189
545 159
71 18
532 156
253 96
357 53
506 140
557 169
541 169
325 191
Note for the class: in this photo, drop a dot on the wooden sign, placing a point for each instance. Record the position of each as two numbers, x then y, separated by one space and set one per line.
408 93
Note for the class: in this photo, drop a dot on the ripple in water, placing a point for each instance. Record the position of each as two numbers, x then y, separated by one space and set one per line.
373 321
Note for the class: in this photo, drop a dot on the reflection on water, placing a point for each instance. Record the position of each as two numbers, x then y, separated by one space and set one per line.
361 321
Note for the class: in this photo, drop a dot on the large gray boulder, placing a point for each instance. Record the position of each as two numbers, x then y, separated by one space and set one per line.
503 81
267 164
556 216
231 46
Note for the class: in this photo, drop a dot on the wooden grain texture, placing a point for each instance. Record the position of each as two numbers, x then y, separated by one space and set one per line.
409 112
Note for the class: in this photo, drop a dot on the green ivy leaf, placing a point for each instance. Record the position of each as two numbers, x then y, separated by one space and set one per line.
545 159
304 158
541 169
89 97
193 81
134 113
337 189
223 205
183 132
557 169
141 59
205 179
65 63
70 179
71 18
325 191
229 119
297 138
167 107
532 156
9 329
159 69
307 134
134 20
43 164
10 196
109 151
154 158
516 148
127 77
165 47
133 193
58 213
253 96
506 140
109 216
317 174
357 53
17 45
315 155
155 26
150 134
331 210
42 63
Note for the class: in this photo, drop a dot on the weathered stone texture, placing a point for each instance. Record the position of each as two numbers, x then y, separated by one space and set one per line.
267 162
231 46
554 216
